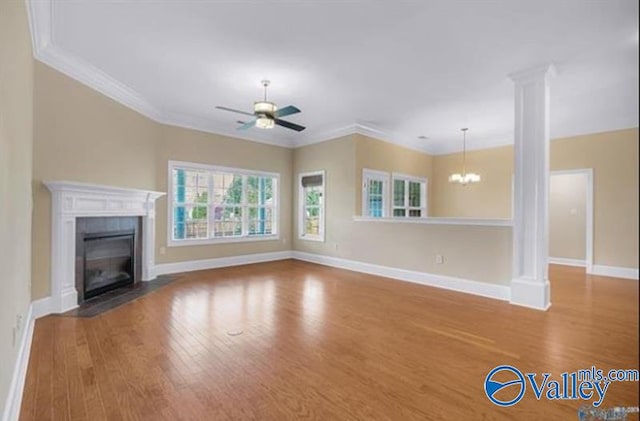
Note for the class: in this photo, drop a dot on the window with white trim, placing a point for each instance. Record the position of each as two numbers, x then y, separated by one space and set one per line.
375 193
311 206
409 196
211 204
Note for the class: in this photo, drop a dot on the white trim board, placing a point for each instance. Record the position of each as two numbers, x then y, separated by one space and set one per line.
430 220
588 173
498 292
42 307
615 272
220 262
13 403
567 262
300 207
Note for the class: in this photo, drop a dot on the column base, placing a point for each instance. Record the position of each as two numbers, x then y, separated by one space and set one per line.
67 300
531 293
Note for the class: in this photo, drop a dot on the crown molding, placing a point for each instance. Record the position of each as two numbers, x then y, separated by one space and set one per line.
204 125
364 129
494 141
98 80
40 15
45 50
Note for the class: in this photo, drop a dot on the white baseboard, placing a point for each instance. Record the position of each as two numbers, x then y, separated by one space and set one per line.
42 307
615 272
12 406
220 262
499 292
567 262
530 294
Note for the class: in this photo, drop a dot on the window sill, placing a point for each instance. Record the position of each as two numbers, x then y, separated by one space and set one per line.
308 238
214 241
439 221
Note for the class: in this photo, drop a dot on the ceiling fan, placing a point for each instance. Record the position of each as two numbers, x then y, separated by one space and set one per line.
267 114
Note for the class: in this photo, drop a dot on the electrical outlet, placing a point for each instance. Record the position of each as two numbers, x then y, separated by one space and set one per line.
439 259
19 322
284 241
163 250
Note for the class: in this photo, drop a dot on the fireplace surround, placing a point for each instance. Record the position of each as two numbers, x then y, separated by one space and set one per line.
73 200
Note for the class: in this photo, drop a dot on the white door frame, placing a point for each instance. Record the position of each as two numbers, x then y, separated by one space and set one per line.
589 217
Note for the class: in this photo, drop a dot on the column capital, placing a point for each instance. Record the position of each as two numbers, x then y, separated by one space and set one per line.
530 74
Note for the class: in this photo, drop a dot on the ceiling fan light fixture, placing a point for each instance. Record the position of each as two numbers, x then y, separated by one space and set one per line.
264 107
264 122
266 114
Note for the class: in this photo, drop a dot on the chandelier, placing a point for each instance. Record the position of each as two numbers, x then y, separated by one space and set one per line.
464 177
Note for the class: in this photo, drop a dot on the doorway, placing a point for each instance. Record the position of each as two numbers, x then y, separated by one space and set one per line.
571 218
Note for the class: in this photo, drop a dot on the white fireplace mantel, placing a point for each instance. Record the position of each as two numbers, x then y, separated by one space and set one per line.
71 200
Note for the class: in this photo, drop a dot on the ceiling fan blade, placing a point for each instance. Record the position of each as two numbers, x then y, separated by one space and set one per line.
289 125
246 126
288 110
234 111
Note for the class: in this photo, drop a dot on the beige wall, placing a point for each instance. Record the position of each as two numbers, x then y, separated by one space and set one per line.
336 157
471 252
491 198
375 154
614 159
193 146
568 216
81 135
16 140
612 155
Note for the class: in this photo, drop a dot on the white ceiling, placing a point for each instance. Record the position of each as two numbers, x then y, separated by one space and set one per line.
394 69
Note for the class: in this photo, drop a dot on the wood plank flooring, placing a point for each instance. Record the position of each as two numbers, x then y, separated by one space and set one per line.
319 343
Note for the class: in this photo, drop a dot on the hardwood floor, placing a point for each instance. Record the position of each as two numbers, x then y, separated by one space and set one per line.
319 343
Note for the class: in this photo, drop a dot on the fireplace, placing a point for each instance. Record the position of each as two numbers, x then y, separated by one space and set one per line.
71 204
108 251
108 262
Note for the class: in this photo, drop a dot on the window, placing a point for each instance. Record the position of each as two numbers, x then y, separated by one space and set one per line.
375 192
409 196
215 204
311 201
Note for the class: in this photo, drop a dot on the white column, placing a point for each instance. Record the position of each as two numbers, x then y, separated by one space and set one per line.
63 237
148 240
530 283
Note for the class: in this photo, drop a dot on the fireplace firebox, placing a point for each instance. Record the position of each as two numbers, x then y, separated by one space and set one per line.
108 262
108 254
